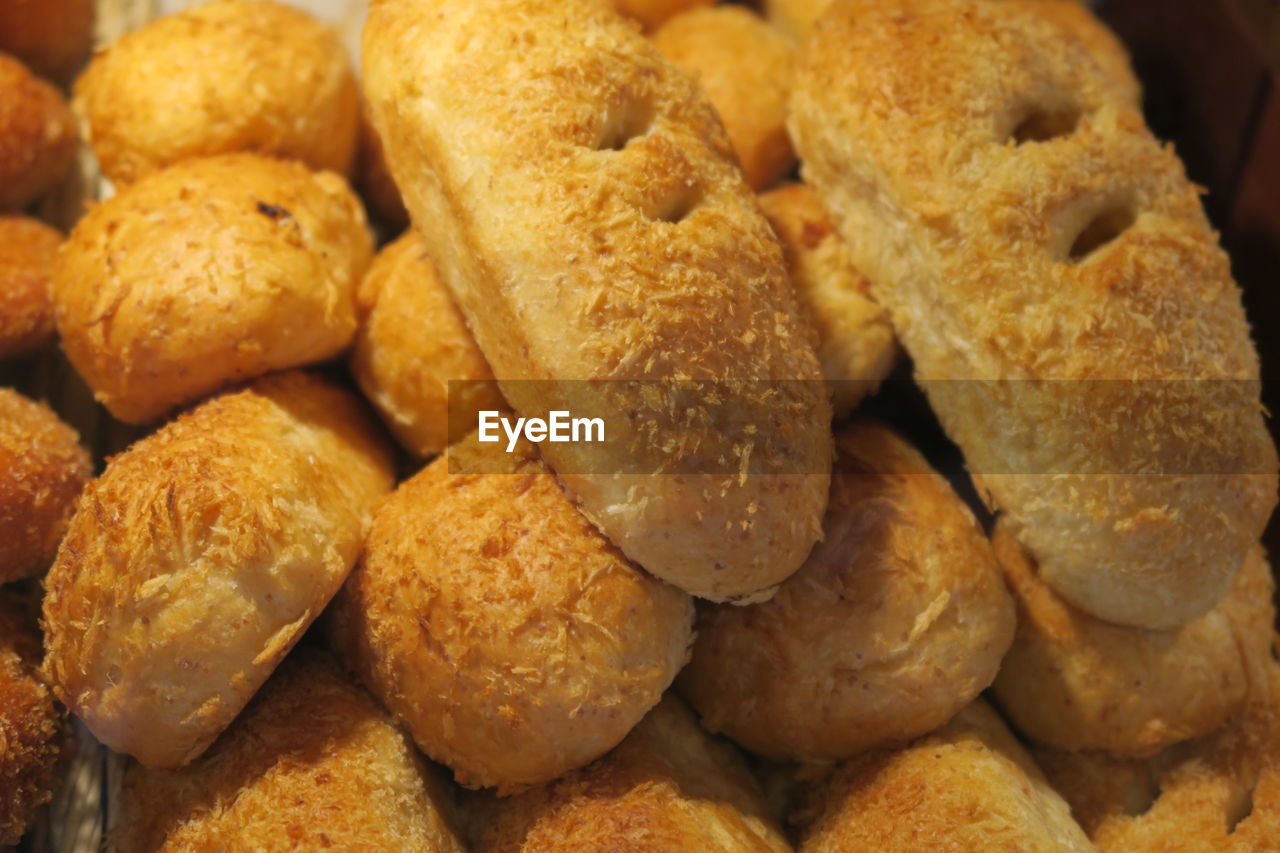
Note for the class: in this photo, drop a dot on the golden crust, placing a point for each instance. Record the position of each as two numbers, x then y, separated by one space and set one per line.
31 730
411 343
667 787
968 786
579 197
313 762
37 136
52 37
1073 681
1220 794
654 13
855 339
221 77
208 273
896 621
200 556
745 69
27 251
976 192
510 637
43 469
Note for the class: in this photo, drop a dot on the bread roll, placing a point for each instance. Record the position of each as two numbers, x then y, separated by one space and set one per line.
201 555
313 762
653 13
37 136
667 787
579 198
855 339
208 273
1031 239
52 37
745 69
1220 793
1073 681
411 343
31 730
28 248
43 469
896 621
508 635
220 77
968 786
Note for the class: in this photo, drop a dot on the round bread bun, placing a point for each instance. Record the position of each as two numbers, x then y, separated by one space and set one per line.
750 95
28 249
43 469
667 787
412 341
896 621
312 763
52 37
512 639
31 730
855 338
208 273
201 555
220 77
37 136
1072 681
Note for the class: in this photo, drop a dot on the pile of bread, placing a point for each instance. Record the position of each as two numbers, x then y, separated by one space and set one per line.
797 636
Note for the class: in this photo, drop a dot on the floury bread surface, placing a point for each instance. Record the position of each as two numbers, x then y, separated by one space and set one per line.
579 196
1019 222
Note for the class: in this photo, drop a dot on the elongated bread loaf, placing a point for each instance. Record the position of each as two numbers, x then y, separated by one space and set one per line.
579 197
1022 226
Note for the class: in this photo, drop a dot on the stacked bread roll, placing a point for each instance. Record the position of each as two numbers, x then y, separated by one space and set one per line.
314 604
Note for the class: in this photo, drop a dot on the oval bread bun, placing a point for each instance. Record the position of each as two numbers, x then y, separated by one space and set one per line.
512 639
411 343
713 44
52 37
312 763
37 136
970 786
1072 681
667 787
43 469
896 621
31 730
201 555
855 338
28 249
220 77
208 273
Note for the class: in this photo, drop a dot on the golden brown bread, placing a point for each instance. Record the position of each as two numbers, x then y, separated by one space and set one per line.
896 621
794 18
651 14
37 136
855 339
501 627
220 77
28 248
745 69
667 787
208 273
1022 226
43 469
312 763
967 787
31 730
201 555
411 343
1219 794
52 37
1073 681
579 197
